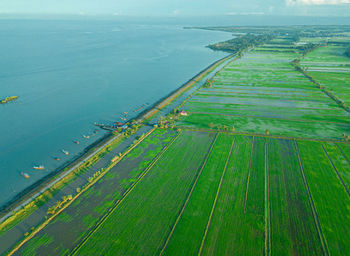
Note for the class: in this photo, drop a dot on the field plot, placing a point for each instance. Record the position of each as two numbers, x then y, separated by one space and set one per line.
143 220
340 163
72 223
293 228
332 203
262 90
237 226
331 68
189 231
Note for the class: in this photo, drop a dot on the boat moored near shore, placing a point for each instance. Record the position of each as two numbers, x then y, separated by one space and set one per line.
65 152
25 175
40 167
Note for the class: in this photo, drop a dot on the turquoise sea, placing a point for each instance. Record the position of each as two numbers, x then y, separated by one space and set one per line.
70 74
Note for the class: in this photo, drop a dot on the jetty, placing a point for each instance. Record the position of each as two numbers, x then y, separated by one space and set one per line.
105 127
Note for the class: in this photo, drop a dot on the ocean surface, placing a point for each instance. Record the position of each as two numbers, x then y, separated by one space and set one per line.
70 74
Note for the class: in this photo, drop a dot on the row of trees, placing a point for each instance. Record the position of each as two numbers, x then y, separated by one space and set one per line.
239 44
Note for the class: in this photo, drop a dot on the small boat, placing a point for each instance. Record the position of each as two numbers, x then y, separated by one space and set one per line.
124 119
25 175
65 152
125 113
40 167
57 159
76 142
86 136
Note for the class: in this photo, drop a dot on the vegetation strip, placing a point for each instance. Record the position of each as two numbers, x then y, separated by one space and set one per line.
48 220
111 210
341 104
336 171
250 166
267 206
317 222
345 156
216 199
262 135
256 105
262 117
189 195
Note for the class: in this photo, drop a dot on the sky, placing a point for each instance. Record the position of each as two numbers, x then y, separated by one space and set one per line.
178 7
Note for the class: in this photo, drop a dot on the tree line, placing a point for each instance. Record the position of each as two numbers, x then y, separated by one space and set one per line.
241 43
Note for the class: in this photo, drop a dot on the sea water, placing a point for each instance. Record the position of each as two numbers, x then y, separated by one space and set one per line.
70 74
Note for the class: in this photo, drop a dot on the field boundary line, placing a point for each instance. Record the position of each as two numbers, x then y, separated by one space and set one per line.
314 212
216 199
48 220
248 179
189 195
129 190
267 205
242 104
188 128
264 117
336 171
347 159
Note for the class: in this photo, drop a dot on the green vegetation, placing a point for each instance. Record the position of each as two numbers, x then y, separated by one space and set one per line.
36 243
187 236
8 99
228 231
257 164
331 201
264 91
293 228
142 219
239 44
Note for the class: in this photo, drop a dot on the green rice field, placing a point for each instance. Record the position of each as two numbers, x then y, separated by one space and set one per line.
233 194
260 165
263 91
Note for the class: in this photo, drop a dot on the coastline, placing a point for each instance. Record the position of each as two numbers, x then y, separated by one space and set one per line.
38 185
29 194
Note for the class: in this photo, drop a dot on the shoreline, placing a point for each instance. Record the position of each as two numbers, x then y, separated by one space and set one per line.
30 193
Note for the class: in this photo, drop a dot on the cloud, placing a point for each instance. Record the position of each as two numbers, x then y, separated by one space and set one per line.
316 2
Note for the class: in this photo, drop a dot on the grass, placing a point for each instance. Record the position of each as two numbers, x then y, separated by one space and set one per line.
331 201
209 193
143 220
330 67
27 210
341 164
98 198
293 228
277 127
264 91
189 231
36 243
233 231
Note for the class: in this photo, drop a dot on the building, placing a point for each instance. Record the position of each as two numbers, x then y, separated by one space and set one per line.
183 113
